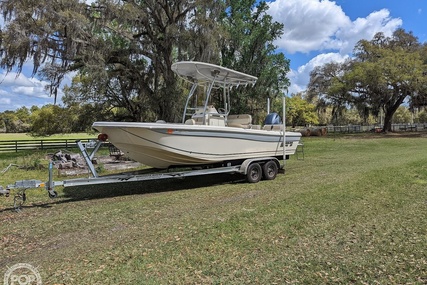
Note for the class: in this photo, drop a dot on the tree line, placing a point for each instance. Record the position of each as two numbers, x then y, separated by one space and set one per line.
53 119
121 52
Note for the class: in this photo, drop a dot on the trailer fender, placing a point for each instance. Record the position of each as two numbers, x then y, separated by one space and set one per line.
261 160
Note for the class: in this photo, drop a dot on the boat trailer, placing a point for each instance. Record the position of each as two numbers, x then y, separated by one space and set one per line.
254 169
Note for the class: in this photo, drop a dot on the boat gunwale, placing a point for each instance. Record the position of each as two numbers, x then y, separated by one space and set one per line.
177 126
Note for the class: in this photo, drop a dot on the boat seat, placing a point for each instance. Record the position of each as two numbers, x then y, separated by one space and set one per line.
239 121
211 120
216 120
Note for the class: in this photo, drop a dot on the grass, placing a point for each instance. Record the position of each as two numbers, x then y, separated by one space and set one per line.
25 136
353 212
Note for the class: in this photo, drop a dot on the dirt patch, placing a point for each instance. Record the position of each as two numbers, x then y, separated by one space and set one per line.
111 163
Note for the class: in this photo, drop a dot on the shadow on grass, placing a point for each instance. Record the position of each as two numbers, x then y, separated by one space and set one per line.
150 186
101 191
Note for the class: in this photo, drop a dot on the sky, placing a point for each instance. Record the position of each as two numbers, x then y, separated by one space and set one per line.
315 32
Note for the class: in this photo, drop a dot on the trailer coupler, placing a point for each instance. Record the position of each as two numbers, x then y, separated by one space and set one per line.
22 186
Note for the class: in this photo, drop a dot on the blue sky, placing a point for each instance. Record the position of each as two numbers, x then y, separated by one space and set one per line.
315 32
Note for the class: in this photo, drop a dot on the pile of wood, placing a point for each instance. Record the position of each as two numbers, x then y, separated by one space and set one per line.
71 164
314 131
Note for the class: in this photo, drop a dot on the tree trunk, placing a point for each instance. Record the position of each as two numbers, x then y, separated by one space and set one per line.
389 112
387 122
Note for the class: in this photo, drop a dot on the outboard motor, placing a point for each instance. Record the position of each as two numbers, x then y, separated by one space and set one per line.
272 119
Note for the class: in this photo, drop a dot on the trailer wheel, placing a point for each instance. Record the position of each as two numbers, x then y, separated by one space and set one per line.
270 170
254 173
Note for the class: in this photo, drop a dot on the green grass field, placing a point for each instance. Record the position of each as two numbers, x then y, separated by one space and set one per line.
24 136
352 212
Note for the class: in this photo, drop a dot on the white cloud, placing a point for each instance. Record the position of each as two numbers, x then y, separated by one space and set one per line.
366 28
301 76
13 79
316 27
308 24
19 84
32 91
17 91
313 25
5 101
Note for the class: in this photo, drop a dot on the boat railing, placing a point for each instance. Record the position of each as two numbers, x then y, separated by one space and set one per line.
191 109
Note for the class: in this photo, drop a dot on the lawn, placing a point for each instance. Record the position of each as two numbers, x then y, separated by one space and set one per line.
352 212
25 136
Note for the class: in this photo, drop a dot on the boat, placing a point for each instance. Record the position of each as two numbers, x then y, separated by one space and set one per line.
207 135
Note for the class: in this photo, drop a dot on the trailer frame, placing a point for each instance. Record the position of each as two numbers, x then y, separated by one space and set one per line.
254 169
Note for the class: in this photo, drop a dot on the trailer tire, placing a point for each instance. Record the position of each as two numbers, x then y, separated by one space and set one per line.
270 170
254 173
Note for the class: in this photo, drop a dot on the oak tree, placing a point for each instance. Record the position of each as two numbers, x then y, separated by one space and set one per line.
385 73
121 51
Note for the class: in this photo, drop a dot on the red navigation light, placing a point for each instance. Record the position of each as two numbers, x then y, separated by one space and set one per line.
102 137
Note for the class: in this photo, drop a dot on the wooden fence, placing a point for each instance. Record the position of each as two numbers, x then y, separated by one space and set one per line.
19 145
373 128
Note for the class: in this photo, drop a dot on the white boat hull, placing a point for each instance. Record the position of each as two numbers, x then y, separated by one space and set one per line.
162 145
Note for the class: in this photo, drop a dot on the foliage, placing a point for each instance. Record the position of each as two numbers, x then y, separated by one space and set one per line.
422 117
133 58
328 90
49 120
402 116
47 32
385 72
52 119
388 71
298 111
122 51
250 49
15 121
